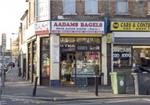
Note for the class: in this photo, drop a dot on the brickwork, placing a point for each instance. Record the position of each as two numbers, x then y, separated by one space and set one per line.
57 10
136 9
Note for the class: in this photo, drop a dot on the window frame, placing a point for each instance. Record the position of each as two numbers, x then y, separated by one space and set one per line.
86 7
118 6
65 6
148 7
130 58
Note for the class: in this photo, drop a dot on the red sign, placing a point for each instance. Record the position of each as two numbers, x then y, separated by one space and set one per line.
42 28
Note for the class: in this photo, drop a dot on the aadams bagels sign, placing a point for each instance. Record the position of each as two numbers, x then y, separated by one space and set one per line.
130 26
77 27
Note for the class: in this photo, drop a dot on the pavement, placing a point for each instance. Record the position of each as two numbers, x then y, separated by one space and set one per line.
18 87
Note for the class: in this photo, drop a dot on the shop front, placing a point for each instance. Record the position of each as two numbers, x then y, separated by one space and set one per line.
131 45
42 30
78 56
38 53
80 51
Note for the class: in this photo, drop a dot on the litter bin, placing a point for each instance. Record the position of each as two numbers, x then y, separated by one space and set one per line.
118 82
141 83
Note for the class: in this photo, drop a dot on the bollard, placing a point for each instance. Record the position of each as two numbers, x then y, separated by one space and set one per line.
35 87
96 68
96 85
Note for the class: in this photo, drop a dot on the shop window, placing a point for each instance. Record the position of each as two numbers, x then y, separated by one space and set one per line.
69 7
122 7
86 62
88 40
34 57
122 56
91 6
67 40
29 61
45 57
141 55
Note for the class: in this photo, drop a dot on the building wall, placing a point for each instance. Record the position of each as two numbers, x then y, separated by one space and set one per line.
137 11
136 8
31 11
57 14
57 10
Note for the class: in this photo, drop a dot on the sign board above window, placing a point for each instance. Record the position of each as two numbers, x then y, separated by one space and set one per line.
77 27
130 26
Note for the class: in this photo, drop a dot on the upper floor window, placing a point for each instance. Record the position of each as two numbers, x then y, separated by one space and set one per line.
69 7
148 7
91 6
122 6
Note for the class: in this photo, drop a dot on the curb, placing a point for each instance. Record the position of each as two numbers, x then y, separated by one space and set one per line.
76 98
93 98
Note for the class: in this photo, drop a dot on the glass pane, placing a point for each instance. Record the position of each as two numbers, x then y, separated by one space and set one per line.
69 6
149 7
88 40
67 40
122 56
141 56
34 57
86 62
122 6
45 57
91 6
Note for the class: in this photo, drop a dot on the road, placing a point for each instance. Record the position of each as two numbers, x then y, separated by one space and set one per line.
13 100
10 100
139 101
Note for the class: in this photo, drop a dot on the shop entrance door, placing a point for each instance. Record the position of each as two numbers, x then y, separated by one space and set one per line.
67 67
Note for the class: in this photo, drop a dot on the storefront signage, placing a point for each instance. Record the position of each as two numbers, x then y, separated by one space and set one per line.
88 47
77 27
121 52
42 27
130 26
67 47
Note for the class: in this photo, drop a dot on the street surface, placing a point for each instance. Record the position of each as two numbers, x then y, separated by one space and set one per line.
19 92
10 100
106 102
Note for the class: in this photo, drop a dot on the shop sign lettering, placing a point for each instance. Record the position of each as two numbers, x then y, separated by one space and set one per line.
130 26
42 27
88 47
121 55
77 27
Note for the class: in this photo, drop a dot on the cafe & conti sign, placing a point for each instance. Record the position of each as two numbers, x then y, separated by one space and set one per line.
130 26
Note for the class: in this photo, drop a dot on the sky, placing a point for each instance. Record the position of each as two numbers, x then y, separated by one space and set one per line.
10 14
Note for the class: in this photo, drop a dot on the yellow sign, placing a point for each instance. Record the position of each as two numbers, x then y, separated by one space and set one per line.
81 35
130 26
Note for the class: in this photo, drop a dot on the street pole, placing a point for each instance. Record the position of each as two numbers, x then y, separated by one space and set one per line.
96 85
3 72
96 79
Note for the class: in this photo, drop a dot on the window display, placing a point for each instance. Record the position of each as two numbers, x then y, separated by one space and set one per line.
45 58
86 62
122 56
141 55
79 57
30 61
34 57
